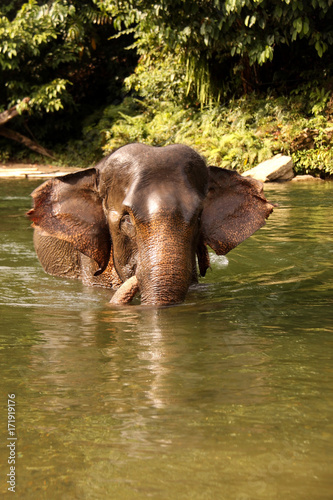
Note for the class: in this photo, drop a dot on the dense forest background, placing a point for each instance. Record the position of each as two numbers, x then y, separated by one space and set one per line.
239 80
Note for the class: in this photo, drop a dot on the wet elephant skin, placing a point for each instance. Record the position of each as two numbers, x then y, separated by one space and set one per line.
141 220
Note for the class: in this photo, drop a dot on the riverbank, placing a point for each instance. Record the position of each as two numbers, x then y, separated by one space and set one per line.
36 171
32 171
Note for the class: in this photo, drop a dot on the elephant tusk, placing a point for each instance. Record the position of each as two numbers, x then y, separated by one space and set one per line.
126 292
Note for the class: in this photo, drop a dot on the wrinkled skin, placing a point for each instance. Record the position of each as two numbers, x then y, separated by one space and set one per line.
141 220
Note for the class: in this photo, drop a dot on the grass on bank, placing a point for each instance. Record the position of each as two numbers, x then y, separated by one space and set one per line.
237 135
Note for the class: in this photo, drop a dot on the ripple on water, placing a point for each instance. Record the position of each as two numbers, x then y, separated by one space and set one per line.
25 286
228 395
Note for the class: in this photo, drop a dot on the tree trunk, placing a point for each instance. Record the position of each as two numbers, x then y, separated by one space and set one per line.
22 139
7 115
10 113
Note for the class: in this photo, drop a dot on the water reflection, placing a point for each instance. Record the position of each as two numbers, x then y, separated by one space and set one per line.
166 357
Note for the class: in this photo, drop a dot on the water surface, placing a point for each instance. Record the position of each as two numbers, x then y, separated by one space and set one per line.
227 396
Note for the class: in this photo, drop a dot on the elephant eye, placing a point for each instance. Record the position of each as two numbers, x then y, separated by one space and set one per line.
127 227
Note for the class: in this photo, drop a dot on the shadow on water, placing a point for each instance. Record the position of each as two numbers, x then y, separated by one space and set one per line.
226 396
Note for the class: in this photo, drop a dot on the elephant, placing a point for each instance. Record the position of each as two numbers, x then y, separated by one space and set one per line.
141 220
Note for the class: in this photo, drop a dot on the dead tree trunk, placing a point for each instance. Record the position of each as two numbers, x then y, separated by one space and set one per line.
7 115
22 139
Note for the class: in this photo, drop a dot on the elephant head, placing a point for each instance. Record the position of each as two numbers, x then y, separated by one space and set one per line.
142 220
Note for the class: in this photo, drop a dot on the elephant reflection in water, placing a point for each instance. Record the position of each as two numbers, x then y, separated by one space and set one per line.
126 362
109 385
141 220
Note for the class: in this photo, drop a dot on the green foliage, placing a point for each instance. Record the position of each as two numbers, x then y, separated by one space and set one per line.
318 159
88 149
217 40
197 61
32 46
235 136
50 97
58 53
316 96
225 136
317 162
319 98
157 79
238 135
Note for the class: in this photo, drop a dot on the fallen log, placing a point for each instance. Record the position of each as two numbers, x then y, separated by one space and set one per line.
22 139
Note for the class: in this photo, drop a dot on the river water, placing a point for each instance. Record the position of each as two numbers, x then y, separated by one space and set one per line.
228 396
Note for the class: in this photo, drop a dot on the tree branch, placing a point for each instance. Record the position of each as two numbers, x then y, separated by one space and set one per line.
22 139
10 113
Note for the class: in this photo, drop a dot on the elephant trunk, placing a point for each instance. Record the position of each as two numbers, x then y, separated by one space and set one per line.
166 287
165 271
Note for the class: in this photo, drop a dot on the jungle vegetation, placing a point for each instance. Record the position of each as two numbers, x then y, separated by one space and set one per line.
238 80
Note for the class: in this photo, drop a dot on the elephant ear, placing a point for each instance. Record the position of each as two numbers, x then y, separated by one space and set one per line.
235 207
70 208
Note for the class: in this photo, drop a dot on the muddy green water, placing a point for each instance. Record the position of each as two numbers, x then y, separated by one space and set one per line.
228 396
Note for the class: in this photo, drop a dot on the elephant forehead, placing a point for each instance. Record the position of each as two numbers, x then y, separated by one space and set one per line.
168 198
146 164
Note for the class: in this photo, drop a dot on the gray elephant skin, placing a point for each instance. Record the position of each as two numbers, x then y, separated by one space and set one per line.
141 220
